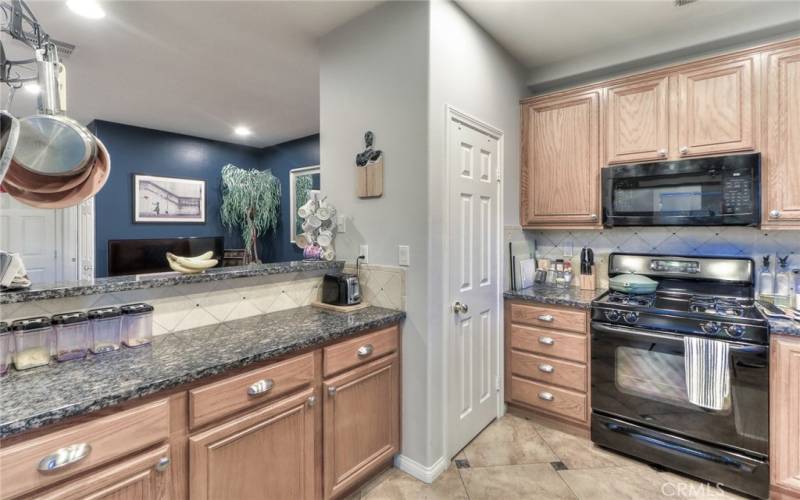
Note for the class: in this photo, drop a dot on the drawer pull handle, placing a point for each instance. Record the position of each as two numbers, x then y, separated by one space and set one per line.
546 368
260 387
365 350
546 396
64 456
163 464
546 317
546 340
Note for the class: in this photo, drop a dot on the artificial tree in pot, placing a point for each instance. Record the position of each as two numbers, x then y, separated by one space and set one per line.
250 202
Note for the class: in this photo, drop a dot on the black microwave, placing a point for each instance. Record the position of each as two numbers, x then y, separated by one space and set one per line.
714 191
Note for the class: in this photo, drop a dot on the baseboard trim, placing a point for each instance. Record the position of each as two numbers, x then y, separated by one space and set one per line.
419 471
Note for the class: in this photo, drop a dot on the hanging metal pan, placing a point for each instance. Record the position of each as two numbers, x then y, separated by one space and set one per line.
9 135
50 143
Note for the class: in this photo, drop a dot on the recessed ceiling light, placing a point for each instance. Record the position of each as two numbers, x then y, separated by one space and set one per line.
242 131
32 88
87 8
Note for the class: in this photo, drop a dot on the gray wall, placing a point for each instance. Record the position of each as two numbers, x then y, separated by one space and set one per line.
374 76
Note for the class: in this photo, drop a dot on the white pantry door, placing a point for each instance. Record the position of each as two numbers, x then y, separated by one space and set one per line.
472 160
30 232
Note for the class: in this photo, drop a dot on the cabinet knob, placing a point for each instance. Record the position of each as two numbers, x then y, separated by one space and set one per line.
163 464
365 350
545 368
331 391
546 317
662 153
260 387
684 149
546 340
593 216
775 214
546 396
64 456
312 400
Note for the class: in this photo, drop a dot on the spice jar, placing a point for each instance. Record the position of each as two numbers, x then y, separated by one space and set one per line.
106 329
72 335
6 348
32 341
137 324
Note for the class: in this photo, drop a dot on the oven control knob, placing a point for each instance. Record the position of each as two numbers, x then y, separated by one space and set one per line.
631 317
711 327
735 331
612 315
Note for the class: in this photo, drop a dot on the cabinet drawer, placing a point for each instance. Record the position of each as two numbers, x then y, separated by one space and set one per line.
103 440
561 402
549 317
354 352
226 397
564 345
549 370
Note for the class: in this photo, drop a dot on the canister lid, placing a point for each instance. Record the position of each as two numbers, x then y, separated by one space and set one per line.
70 318
104 312
30 323
141 307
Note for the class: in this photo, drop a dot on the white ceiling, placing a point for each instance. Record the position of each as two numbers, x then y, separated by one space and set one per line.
196 67
560 39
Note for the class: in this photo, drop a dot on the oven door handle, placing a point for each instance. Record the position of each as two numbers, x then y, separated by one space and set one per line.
686 450
641 334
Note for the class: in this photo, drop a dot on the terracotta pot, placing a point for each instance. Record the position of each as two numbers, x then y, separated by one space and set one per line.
96 179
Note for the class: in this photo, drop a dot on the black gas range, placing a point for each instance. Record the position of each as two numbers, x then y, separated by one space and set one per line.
640 401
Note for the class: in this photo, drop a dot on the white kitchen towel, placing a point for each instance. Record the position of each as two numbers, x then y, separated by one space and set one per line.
707 371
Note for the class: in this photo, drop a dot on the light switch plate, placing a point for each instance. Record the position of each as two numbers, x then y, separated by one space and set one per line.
341 224
364 250
403 255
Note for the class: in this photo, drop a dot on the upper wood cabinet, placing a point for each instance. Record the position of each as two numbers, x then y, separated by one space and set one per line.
717 107
785 415
781 152
560 178
268 452
361 429
637 121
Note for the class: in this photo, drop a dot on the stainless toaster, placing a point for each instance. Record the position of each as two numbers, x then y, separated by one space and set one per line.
341 289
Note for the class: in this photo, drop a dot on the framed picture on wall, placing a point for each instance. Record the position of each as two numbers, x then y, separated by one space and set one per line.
168 199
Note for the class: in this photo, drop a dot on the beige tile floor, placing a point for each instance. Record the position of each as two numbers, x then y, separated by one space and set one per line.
515 458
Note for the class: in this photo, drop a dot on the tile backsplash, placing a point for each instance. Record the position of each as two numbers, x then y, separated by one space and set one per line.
183 307
690 240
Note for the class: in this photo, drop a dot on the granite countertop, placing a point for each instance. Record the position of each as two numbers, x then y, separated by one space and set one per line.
41 396
549 294
784 327
158 280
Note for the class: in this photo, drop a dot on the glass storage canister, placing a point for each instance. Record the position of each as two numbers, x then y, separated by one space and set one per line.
72 335
106 329
138 324
32 340
6 348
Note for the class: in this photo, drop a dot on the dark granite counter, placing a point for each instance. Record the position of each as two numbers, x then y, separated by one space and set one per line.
158 280
784 327
548 294
41 396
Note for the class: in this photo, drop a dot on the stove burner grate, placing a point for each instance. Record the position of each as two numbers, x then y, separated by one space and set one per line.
720 306
630 299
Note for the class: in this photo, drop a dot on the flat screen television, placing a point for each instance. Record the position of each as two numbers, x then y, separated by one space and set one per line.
149 255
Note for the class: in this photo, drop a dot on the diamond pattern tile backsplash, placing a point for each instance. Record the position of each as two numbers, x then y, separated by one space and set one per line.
184 307
712 241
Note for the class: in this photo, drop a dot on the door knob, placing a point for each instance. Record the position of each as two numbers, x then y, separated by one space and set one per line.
460 308
775 214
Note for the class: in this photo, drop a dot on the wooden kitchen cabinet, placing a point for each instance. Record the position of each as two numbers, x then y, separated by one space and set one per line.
143 477
717 104
266 452
361 423
781 152
785 416
637 121
560 178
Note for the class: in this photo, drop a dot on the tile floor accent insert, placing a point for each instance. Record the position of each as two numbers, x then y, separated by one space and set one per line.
515 458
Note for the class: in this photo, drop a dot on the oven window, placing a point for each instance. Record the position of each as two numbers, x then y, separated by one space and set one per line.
689 195
654 375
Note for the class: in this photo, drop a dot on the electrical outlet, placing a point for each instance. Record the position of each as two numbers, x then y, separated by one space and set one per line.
341 224
404 255
364 251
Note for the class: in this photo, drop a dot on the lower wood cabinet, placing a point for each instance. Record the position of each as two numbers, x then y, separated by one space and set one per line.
361 430
785 416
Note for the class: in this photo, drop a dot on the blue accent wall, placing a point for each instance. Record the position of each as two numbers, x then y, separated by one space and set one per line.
281 159
147 151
